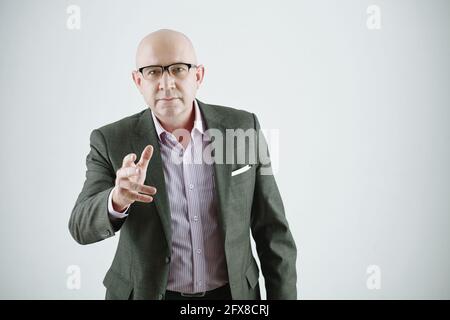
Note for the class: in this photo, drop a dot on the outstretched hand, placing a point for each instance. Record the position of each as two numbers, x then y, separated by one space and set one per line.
130 181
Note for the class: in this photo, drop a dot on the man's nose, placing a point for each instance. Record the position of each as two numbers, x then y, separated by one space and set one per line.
166 81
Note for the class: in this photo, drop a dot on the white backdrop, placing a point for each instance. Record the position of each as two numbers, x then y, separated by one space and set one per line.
359 94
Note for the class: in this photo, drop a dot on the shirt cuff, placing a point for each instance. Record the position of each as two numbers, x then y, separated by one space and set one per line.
114 213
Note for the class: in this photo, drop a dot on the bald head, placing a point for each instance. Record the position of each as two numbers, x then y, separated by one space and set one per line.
164 47
171 96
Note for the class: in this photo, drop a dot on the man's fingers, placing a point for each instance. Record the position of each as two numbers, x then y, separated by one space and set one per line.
133 186
127 172
145 157
128 160
143 198
134 196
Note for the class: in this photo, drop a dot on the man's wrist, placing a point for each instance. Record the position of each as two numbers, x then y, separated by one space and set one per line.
113 209
117 208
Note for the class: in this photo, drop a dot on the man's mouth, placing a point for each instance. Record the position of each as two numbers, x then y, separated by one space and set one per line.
168 99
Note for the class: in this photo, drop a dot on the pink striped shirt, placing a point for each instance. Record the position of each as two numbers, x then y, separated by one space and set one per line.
198 256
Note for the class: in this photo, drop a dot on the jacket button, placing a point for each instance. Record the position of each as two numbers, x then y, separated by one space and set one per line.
167 259
107 233
160 296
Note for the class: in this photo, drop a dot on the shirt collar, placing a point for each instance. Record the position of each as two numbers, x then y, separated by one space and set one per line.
198 122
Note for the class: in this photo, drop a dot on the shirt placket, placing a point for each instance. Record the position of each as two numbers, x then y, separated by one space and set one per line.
194 216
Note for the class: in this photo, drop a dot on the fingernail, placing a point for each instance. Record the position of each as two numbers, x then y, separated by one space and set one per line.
137 170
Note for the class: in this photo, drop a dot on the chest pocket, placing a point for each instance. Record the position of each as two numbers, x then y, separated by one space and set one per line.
242 175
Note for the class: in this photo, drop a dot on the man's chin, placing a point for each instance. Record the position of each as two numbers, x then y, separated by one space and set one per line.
170 110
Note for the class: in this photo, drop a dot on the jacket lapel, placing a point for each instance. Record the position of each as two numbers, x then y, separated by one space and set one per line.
213 120
145 134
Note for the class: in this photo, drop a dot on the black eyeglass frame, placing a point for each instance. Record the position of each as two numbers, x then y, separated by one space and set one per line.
164 68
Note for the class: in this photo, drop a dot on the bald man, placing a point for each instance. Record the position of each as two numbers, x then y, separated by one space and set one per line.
185 216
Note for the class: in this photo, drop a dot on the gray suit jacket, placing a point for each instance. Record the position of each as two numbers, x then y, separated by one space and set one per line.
248 202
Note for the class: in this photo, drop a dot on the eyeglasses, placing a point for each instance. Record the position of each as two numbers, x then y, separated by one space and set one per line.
177 70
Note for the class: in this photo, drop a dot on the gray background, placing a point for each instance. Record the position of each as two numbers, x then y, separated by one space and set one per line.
363 118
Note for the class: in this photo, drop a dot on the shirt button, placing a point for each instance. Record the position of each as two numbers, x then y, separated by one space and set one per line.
199 251
191 186
195 218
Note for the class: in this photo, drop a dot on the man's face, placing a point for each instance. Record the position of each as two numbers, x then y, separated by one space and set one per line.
169 96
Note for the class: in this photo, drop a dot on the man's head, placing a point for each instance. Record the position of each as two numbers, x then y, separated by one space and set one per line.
162 48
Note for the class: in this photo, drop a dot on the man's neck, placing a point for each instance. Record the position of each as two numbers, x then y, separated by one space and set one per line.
182 122
185 122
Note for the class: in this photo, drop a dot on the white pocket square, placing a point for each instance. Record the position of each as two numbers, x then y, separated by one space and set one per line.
240 170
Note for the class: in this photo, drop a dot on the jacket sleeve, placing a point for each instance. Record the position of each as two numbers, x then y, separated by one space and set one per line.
274 242
90 221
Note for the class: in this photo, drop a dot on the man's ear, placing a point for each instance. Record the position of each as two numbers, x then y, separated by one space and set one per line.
136 79
199 75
